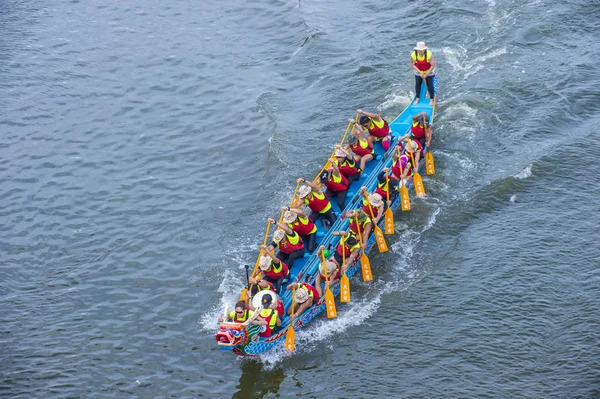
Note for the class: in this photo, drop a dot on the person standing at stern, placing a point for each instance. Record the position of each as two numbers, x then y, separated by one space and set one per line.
422 61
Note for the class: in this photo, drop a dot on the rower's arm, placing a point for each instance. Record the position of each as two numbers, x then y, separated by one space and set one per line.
377 117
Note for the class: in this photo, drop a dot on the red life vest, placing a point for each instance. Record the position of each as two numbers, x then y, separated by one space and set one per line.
417 130
403 160
342 248
271 319
274 273
382 189
379 131
337 184
303 226
290 244
354 229
348 168
362 148
422 64
310 290
280 308
318 202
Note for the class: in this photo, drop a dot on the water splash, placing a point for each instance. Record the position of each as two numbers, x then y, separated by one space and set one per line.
524 174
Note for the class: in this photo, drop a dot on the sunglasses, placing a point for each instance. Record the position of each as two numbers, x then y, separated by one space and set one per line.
239 311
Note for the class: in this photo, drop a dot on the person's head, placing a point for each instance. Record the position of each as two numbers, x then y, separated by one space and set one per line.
361 215
301 295
278 235
266 300
351 241
412 147
421 47
240 307
364 121
264 263
340 155
289 217
324 176
352 140
381 177
303 191
375 200
331 267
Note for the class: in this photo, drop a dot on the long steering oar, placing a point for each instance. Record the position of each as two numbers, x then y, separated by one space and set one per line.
290 338
389 216
365 265
429 162
379 238
329 299
344 282
417 180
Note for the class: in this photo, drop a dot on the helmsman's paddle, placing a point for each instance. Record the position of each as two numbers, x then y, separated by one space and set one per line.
389 216
329 299
365 265
379 238
417 180
290 338
344 282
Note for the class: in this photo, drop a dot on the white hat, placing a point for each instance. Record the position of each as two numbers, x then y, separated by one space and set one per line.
339 153
375 200
412 147
301 295
303 191
331 267
420 46
278 235
289 217
265 262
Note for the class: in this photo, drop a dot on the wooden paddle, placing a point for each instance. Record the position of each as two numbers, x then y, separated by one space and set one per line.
329 299
290 338
429 162
244 295
417 180
379 238
389 216
364 259
404 198
344 283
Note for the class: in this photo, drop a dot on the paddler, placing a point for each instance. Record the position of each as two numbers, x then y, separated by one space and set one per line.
417 151
348 247
336 183
297 220
378 128
364 223
267 317
346 164
421 130
422 61
317 201
360 147
289 243
375 203
328 271
240 313
306 296
383 186
275 272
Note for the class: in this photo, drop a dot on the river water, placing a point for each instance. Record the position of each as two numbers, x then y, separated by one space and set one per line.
144 144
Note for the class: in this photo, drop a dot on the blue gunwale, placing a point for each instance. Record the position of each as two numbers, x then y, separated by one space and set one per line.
308 266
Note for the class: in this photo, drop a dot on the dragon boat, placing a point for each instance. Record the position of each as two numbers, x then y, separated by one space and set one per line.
243 339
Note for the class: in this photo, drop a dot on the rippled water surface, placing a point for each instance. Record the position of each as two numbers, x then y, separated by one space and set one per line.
143 145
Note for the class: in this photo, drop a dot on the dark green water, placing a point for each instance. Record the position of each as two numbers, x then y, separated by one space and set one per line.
144 144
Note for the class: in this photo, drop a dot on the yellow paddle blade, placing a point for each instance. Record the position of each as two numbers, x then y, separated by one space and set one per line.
365 266
381 244
290 338
429 164
330 304
404 198
243 294
344 289
389 221
419 187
